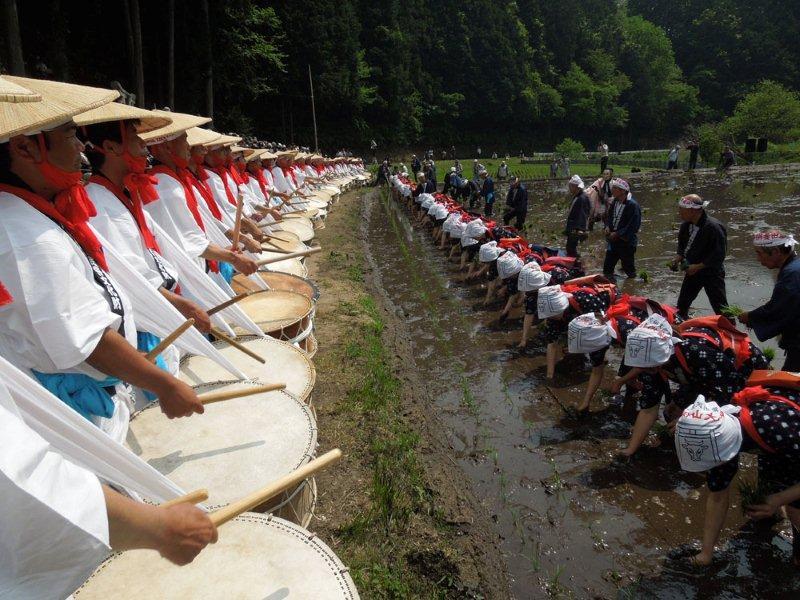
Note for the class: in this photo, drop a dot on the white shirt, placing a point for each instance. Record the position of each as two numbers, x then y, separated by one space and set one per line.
59 312
53 520
281 183
116 224
172 214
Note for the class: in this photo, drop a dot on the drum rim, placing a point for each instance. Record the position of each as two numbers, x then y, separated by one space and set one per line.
315 290
308 540
312 380
280 323
304 269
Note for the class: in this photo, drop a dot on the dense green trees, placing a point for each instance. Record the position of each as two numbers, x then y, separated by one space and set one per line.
508 74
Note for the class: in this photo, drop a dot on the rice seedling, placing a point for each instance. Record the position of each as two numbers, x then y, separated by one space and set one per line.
750 493
769 354
644 276
731 310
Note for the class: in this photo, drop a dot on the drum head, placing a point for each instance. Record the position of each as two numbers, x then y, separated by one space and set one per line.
278 281
302 228
308 212
275 309
257 557
232 447
292 266
285 363
292 245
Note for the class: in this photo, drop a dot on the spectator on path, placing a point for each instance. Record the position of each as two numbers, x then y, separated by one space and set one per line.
623 220
448 180
516 203
694 148
727 158
565 171
779 316
602 148
554 168
416 165
453 152
502 171
383 174
476 169
702 245
487 192
672 159
578 217
459 168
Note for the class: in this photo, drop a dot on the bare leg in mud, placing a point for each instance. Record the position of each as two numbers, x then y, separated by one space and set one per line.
645 420
490 290
527 322
595 379
513 301
477 270
453 251
553 356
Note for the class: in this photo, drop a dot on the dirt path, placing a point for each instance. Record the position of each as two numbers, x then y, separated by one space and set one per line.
397 510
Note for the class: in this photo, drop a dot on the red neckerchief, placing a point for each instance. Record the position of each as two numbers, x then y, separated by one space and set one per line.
201 183
244 178
224 174
287 172
134 205
75 221
262 181
5 296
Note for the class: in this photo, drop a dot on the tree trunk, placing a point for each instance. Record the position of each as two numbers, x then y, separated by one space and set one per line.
209 60
138 60
126 10
13 38
171 57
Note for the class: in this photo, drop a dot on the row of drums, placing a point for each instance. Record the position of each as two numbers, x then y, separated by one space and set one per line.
238 445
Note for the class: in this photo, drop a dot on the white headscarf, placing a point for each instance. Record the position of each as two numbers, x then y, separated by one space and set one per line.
532 278
475 229
707 435
586 333
576 180
686 202
651 344
489 252
509 265
551 302
773 239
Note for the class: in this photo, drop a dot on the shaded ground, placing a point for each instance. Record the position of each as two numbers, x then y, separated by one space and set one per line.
396 510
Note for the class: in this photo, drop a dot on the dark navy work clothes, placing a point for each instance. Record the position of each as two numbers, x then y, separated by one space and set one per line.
623 218
706 243
577 221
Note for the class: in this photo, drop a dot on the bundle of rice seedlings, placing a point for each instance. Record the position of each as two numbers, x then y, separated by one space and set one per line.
731 311
750 493
769 353
644 276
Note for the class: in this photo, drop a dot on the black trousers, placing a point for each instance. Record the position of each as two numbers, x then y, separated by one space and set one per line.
712 281
572 244
616 252
489 208
603 163
692 161
792 362
513 213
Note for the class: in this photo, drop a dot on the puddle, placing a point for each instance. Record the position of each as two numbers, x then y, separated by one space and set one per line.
570 520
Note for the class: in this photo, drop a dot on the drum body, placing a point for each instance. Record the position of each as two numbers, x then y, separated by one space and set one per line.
281 314
285 364
309 346
257 557
233 445
292 266
278 281
302 228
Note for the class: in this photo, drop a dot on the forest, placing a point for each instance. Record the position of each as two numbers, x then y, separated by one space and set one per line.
508 74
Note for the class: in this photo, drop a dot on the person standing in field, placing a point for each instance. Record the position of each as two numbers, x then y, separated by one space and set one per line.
672 159
623 220
602 148
727 159
694 148
487 192
554 168
502 171
565 170
516 203
416 165
578 217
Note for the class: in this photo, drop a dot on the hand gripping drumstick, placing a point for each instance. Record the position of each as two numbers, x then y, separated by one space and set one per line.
212 397
218 334
249 502
194 497
167 341
229 302
309 252
237 227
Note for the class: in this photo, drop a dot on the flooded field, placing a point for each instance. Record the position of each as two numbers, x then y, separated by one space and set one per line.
572 521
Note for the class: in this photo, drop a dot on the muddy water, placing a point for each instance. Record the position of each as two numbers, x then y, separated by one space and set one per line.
573 522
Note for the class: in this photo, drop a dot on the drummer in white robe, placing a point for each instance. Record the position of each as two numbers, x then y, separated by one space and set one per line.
176 210
71 326
58 522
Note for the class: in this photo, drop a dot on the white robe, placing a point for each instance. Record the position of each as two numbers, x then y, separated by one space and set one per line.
172 214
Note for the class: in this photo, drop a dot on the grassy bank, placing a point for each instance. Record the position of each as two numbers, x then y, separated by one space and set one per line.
382 511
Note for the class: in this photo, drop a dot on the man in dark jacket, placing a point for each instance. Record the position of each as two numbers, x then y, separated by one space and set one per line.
416 165
578 217
702 245
516 203
448 182
623 220
779 316
487 192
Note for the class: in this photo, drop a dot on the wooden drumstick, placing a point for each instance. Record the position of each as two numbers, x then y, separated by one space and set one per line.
218 334
167 341
237 227
309 252
274 248
194 497
212 397
229 302
249 502
276 237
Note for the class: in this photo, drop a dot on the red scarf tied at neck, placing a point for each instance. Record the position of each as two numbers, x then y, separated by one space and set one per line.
5 296
224 174
134 205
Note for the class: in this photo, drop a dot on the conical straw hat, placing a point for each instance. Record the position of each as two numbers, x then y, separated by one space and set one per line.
268 155
246 151
197 136
255 155
114 111
224 140
180 122
28 106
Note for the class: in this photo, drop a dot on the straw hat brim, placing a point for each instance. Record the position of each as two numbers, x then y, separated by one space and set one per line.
114 111
287 153
267 155
246 151
28 106
197 136
181 122
224 140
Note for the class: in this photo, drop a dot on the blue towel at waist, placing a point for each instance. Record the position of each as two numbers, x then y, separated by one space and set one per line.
226 270
145 342
80 392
